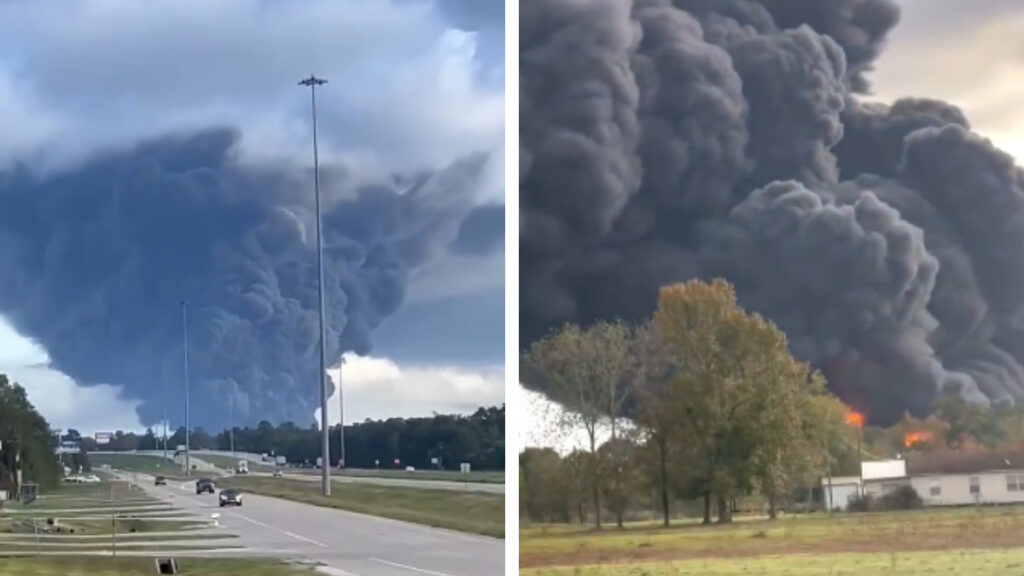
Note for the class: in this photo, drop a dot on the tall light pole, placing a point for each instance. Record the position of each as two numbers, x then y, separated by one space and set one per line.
163 405
325 462
184 334
232 423
341 416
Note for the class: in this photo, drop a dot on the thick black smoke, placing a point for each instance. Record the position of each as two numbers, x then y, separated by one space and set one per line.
664 140
96 261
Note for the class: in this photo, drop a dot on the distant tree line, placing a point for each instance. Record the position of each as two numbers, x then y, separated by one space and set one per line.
477 438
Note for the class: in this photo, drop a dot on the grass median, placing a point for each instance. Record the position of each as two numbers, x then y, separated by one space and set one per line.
99 566
474 512
139 463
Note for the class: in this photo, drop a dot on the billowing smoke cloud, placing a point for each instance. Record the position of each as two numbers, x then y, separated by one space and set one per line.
96 261
665 140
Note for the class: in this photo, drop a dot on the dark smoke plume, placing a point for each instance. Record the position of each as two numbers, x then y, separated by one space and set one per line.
664 140
95 262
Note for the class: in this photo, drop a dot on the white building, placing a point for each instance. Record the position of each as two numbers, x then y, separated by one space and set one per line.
959 478
946 478
839 491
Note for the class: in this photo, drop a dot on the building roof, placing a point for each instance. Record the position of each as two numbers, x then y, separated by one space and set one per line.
953 462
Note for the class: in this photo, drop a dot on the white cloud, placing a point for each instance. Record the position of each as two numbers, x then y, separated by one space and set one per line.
378 388
980 72
404 88
63 403
375 388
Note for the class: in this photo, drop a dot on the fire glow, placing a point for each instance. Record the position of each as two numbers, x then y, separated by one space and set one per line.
855 419
911 438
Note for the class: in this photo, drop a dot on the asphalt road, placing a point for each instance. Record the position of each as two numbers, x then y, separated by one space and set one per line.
404 483
355 544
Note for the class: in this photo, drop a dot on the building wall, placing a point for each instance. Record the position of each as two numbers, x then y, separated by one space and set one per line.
879 488
955 489
841 494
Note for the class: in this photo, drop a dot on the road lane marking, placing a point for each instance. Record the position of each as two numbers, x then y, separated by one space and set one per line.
285 532
407 567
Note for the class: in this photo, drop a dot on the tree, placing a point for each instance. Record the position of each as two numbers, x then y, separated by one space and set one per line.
744 402
701 327
583 370
27 441
657 406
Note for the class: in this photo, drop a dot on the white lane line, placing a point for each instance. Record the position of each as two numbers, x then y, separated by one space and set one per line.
285 532
258 523
407 567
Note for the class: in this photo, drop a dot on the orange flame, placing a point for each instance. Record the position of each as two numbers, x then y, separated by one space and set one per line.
854 419
911 438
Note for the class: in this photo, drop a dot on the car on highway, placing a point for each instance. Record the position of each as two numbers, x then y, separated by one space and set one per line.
205 485
160 481
230 497
278 474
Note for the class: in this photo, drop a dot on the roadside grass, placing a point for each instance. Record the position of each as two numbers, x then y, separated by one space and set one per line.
485 477
28 539
97 523
101 566
227 462
139 463
805 544
474 512
972 562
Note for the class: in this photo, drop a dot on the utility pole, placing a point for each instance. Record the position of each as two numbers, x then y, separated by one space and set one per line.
232 423
325 464
163 404
184 333
341 416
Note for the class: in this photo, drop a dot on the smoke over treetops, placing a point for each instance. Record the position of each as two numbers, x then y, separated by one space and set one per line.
97 260
663 140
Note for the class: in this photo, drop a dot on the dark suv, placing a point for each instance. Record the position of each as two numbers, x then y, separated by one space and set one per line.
160 481
204 485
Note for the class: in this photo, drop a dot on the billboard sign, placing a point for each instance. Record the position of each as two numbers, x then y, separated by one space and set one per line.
103 438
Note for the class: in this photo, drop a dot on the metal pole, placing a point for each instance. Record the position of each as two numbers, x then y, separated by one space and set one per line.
325 431
163 403
232 436
341 416
184 331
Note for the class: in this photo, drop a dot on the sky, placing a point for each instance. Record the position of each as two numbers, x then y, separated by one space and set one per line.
413 85
970 58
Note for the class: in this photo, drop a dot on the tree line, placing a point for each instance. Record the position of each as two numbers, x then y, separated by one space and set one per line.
477 438
704 403
26 442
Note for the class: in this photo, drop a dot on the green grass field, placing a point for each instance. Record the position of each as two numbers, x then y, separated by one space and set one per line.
99 566
142 464
976 541
486 477
227 462
80 518
474 512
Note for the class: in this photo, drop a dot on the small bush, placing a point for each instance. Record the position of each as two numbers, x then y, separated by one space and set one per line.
903 498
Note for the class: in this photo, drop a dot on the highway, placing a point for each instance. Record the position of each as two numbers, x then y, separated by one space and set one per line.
352 544
400 482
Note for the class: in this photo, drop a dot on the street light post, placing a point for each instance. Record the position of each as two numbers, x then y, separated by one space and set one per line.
325 463
341 416
184 332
